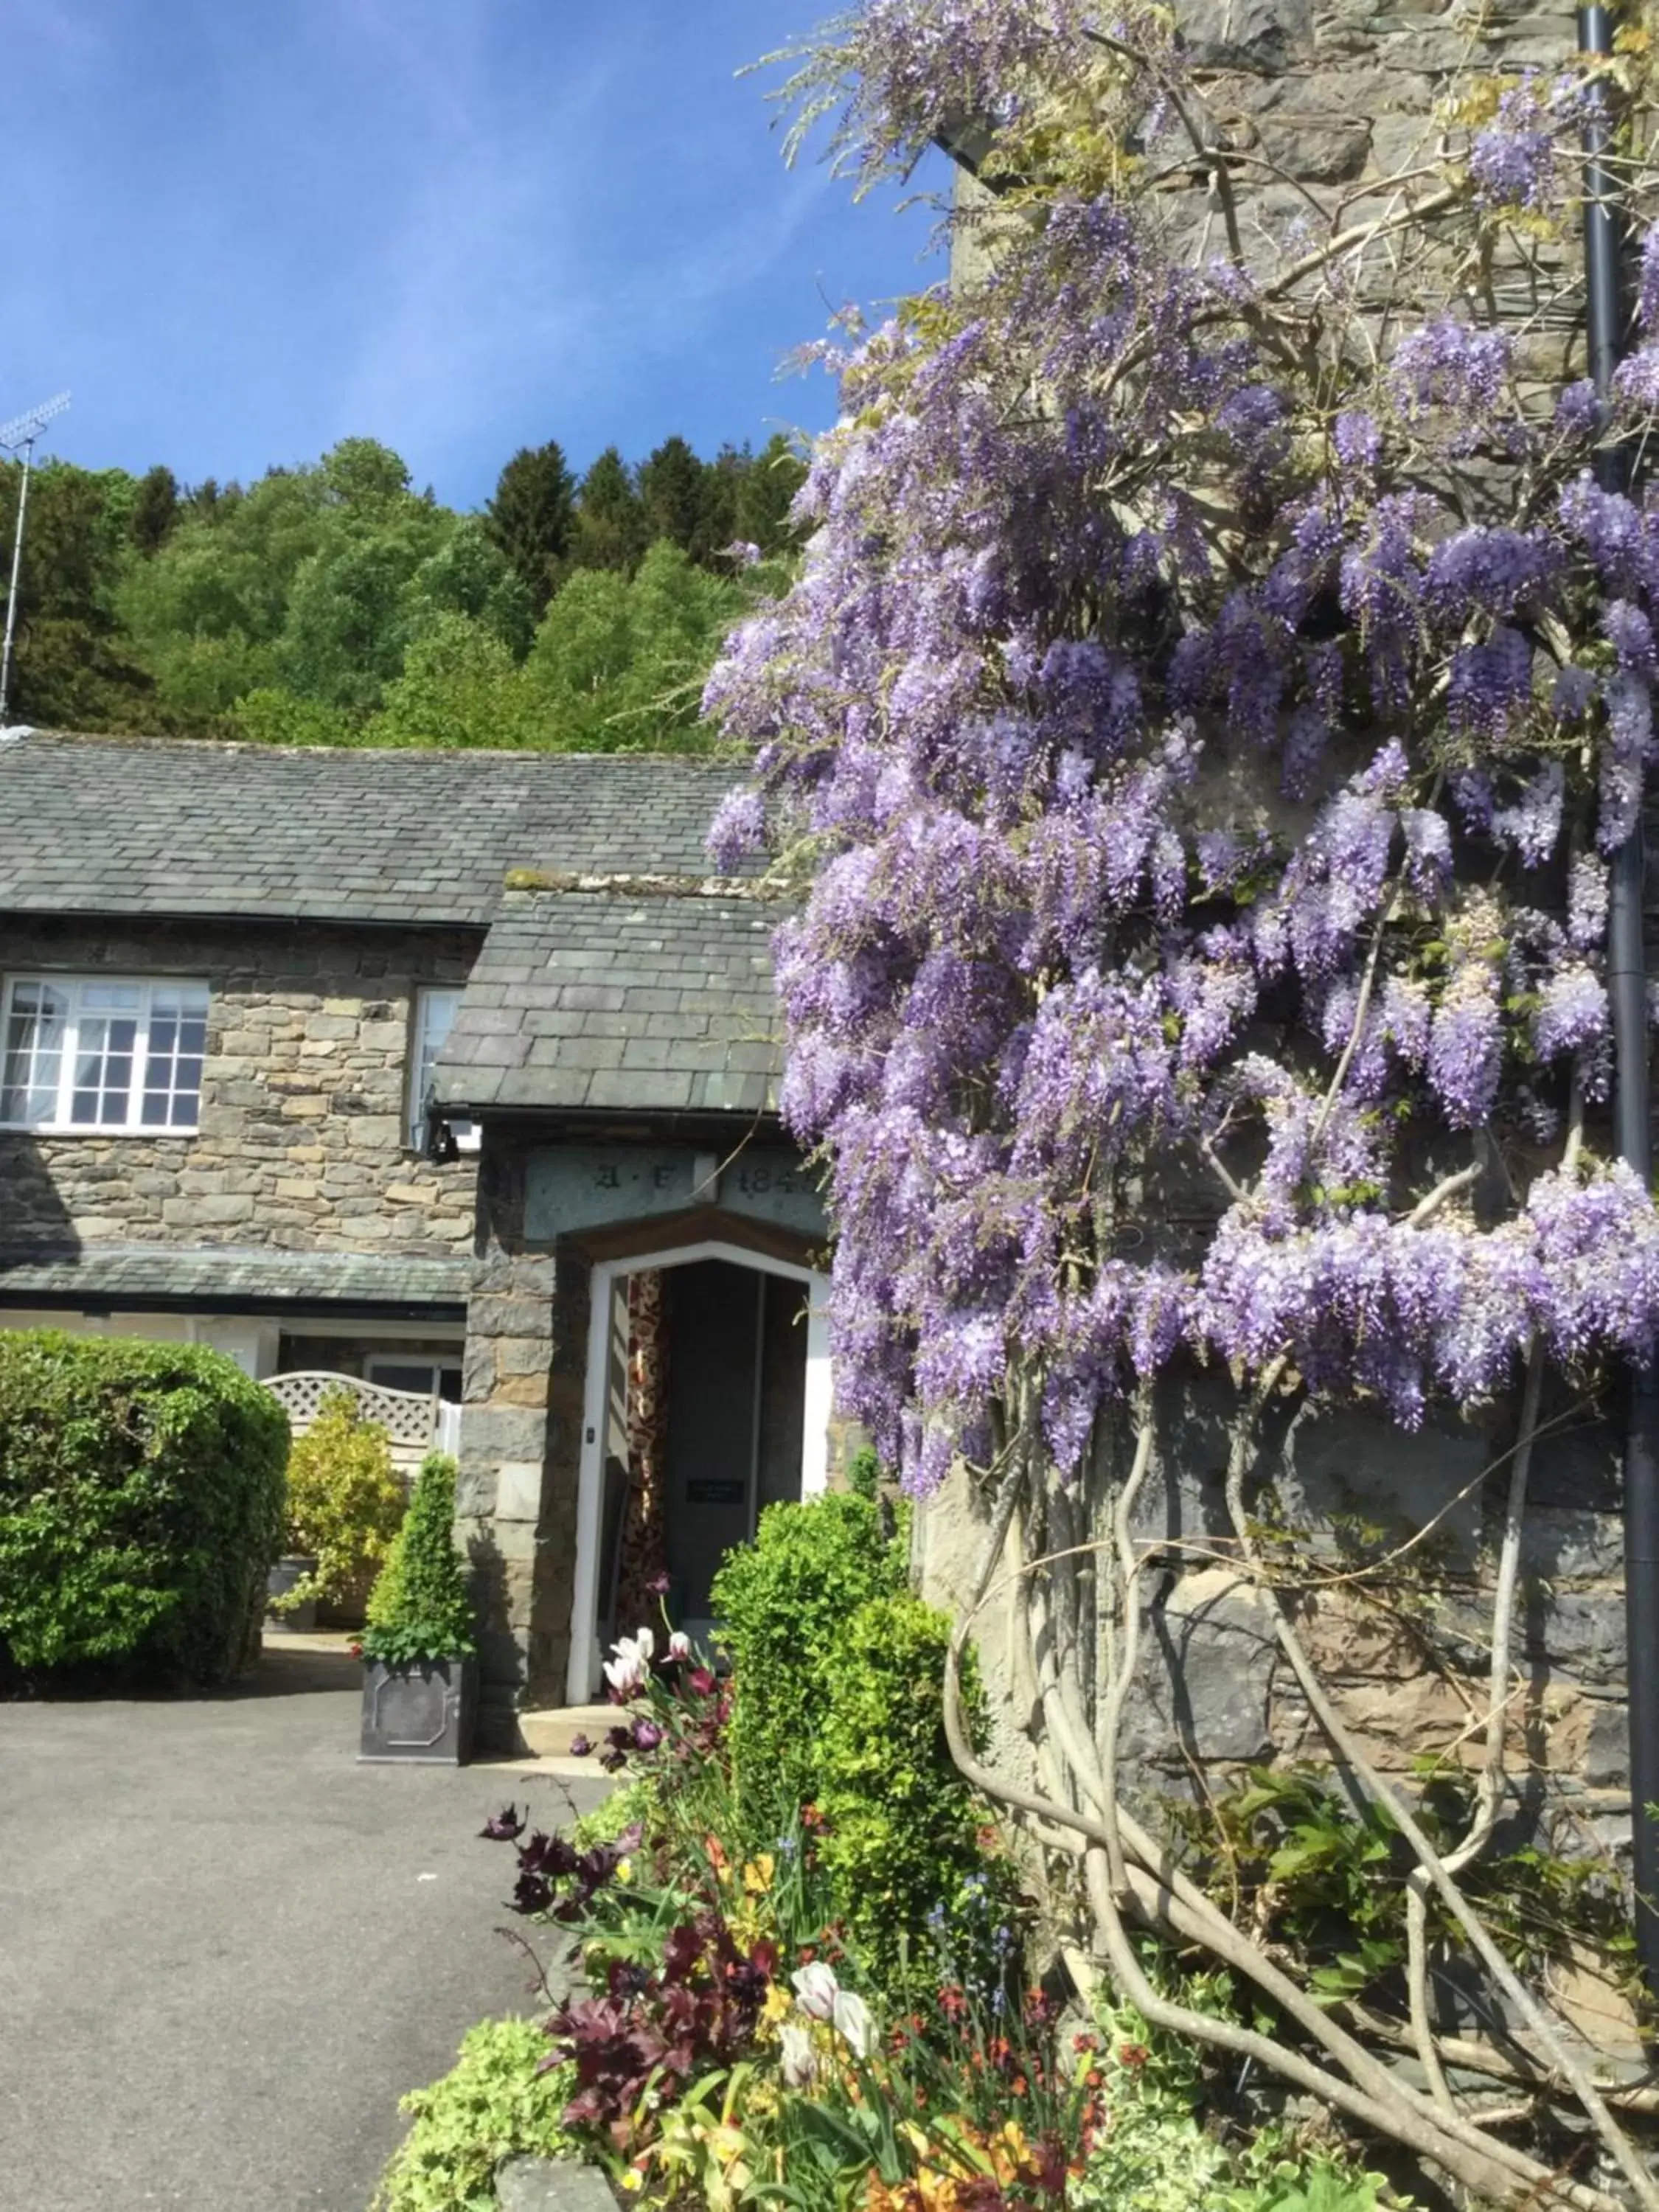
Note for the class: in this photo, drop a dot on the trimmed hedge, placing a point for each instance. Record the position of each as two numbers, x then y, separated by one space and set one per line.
904 1824
141 1490
784 1602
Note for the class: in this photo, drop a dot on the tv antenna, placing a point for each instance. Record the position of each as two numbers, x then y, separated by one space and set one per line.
18 437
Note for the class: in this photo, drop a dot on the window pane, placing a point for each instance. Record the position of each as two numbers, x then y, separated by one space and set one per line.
33 1053
75 1054
173 1063
103 1063
435 1012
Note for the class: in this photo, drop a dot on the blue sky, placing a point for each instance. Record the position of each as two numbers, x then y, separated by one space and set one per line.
240 230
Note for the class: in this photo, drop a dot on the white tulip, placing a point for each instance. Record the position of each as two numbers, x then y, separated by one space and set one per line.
799 2062
852 2023
680 1645
817 1990
646 1644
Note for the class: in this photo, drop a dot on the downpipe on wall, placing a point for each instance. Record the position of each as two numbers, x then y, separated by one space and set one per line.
1627 985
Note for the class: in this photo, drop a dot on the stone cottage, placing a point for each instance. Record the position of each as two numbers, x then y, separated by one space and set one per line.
452 1070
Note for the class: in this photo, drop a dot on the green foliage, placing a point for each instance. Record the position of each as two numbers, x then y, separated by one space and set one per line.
349 618
618 663
469 575
459 688
765 489
73 667
295 609
612 531
532 517
785 1601
1287 1851
344 1503
902 1824
675 497
630 1802
155 510
864 1473
492 2104
419 1608
271 716
1155 2154
140 1505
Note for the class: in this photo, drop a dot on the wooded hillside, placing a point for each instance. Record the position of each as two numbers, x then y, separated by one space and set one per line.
333 604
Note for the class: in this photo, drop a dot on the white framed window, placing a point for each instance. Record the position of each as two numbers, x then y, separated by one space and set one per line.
99 1052
436 1008
432 1378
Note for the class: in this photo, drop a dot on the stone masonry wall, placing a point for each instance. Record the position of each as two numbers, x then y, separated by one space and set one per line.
301 1142
1336 95
515 1504
1404 1656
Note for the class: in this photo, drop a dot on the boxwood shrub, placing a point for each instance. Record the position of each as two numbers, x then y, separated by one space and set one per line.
902 1823
784 1602
140 1505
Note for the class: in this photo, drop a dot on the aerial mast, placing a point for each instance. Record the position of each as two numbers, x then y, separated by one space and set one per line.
18 437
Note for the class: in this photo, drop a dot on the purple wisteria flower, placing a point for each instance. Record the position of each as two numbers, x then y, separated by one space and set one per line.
738 829
1079 709
1572 1013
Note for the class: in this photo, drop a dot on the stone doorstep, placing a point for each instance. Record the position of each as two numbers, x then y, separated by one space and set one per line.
549 1733
337 1641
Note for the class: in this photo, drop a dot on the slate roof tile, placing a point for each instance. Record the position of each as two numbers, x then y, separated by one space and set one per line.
706 1040
227 1275
184 826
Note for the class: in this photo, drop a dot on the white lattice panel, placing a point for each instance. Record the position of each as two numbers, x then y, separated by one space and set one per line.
413 1422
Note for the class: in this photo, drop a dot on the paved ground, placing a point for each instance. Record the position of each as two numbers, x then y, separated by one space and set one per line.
226 1949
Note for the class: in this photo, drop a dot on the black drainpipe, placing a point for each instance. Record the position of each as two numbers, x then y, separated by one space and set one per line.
1628 983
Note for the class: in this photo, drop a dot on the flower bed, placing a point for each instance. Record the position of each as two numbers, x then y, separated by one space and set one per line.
734 2041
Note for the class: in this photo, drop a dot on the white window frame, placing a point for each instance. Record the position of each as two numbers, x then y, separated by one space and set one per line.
375 1366
77 989
422 1059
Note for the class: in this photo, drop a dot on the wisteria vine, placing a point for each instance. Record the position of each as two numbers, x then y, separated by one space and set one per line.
1201 725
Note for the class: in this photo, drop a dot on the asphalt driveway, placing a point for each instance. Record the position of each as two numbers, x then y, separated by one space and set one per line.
226 1949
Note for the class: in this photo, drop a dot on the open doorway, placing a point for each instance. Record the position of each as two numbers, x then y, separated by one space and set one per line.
708 1399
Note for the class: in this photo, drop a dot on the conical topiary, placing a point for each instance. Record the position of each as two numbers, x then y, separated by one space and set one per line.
419 1608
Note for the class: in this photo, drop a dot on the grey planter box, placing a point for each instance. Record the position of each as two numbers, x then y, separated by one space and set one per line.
281 1579
419 1714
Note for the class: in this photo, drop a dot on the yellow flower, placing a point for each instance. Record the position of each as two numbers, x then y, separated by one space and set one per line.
624 1870
758 1874
778 2006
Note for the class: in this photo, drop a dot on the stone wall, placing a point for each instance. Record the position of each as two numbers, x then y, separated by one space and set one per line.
301 1141
515 1506
1404 1654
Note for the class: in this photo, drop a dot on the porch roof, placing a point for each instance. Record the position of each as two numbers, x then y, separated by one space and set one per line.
190 827
620 994
223 1278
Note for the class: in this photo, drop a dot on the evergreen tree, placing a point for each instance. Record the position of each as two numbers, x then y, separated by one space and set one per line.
154 509
532 518
764 492
673 495
722 495
612 531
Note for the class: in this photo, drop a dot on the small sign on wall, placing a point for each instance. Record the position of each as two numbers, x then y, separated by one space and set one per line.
716 1490
575 1187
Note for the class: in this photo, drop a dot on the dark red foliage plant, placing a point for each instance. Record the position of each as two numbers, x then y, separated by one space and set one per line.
655 2027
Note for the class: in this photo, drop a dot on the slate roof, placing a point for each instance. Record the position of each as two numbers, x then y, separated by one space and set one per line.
185 827
619 996
230 1280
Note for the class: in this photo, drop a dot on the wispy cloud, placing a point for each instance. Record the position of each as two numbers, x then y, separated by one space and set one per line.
457 224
